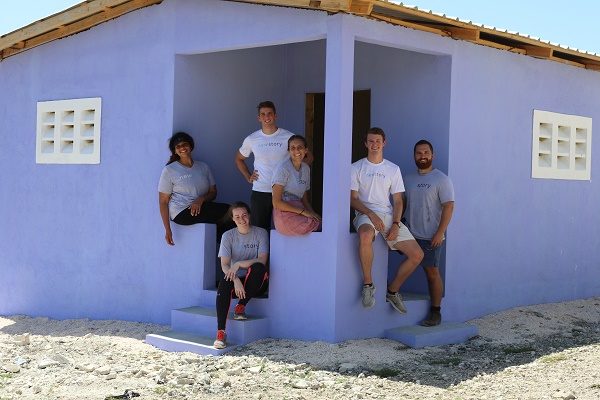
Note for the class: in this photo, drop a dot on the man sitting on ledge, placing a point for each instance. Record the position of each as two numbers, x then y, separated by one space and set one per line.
372 181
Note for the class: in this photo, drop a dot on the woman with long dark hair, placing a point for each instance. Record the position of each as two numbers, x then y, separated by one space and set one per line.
292 212
187 188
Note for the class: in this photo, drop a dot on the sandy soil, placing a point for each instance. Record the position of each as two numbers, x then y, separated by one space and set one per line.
549 351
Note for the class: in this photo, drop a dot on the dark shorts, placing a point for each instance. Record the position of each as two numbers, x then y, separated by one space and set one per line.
431 257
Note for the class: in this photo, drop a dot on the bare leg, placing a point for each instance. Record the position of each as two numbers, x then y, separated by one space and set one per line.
436 285
414 255
366 234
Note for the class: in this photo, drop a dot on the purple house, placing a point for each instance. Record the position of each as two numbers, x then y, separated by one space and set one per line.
90 96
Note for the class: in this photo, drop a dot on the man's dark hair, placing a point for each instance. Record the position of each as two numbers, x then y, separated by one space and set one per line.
266 104
375 131
420 142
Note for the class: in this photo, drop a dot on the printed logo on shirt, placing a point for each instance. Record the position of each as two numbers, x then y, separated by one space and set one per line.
251 246
271 144
302 181
186 176
375 175
424 185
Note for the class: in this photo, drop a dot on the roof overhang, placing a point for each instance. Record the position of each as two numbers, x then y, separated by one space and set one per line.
89 13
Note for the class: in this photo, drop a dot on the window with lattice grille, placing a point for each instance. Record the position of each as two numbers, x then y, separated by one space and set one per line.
68 131
562 146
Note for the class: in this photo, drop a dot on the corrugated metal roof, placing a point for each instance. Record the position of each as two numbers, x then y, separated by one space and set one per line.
93 12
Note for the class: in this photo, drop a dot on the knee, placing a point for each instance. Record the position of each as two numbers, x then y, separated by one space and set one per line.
258 268
415 255
365 237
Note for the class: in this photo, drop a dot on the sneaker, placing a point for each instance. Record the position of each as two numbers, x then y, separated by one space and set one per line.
220 342
368 293
239 312
434 319
396 301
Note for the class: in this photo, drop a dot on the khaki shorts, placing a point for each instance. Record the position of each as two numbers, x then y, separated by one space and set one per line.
403 233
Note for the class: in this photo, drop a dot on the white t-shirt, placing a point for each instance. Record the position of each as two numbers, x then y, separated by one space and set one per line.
375 183
294 183
184 184
269 151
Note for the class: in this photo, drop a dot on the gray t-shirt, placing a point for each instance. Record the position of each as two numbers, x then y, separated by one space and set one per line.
184 184
425 195
294 183
241 247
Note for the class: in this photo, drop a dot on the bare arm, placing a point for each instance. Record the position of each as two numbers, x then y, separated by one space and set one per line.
396 215
240 163
280 204
230 270
447 210
163 205
196 205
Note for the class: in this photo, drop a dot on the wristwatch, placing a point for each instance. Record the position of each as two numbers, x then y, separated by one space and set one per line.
398 223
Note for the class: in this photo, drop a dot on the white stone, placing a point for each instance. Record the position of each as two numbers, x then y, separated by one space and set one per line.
234 371
103 370
300 384
256 369
47 362
12 368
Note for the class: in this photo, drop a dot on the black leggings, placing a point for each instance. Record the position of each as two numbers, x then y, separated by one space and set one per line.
261 205
255 283
210 213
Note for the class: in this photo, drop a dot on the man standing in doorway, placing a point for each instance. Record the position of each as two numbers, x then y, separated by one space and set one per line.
269 145
430 203
373 180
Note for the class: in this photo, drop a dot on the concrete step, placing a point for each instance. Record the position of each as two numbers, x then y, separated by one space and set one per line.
184 341
203 321
256 306
422 336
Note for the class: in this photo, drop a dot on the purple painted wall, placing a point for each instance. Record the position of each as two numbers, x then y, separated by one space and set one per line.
86 240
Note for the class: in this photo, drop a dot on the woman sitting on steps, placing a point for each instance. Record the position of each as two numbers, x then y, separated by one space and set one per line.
244 251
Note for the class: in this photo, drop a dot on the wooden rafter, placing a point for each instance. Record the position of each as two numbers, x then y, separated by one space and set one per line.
76 19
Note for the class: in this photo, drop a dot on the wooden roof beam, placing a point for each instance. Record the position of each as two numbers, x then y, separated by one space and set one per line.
463 33
81 25
361 7
406 24
500 46
538 51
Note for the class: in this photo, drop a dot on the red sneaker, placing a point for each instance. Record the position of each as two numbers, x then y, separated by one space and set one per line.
221 341
239 312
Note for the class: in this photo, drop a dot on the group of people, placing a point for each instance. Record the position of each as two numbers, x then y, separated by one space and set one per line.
280 183
427 203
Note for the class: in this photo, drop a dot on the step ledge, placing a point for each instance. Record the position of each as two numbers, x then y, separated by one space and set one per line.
443 334
175 341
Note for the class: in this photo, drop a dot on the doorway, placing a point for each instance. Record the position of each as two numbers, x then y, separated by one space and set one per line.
314 129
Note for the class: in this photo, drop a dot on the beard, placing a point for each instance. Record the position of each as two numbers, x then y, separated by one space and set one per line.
423 163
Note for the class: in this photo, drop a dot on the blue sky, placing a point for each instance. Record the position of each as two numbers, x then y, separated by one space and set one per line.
573 23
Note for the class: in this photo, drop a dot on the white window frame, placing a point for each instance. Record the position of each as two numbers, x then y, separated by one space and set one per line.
68 131
562 146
